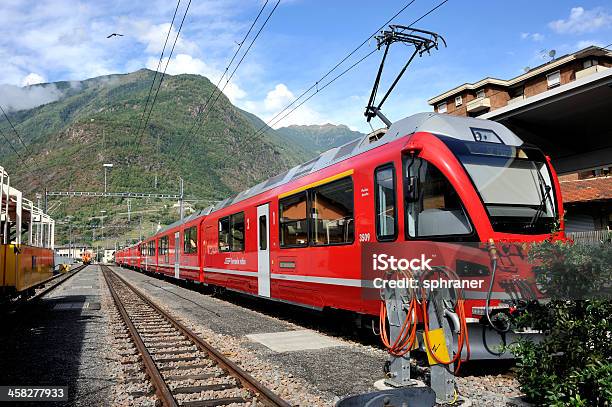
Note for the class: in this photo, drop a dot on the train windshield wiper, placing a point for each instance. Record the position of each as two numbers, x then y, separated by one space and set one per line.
545 194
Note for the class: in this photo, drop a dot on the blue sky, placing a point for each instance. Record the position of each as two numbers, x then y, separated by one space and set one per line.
46 41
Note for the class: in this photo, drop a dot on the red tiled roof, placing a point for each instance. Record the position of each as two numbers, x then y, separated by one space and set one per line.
589 189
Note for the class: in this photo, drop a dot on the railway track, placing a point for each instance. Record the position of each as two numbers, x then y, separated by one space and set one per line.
182 368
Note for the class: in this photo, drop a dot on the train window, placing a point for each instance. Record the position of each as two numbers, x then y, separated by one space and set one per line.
386 214
231 233
332 213
263 233
433 207
163 247
292 221
151 248
224 234
237 232
190 240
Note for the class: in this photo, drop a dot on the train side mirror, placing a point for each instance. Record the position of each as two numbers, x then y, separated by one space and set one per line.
412 189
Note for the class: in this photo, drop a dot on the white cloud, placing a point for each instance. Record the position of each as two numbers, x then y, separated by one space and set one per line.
582 21
154 36
18 98
32 79
537 37
186 64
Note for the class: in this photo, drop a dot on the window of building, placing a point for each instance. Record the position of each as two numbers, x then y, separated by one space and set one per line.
433 206
587 63
458 101
517 92
442 108
332 213
384 189
553 79
480 94
231 233
292 221
190 240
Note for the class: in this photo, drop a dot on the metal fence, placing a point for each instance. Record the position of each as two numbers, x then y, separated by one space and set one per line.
591 236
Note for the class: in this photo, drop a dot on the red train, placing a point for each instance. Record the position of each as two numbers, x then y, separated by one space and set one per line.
298 237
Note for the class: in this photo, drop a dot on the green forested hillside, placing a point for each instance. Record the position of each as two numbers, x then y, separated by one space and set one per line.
96 121
318 138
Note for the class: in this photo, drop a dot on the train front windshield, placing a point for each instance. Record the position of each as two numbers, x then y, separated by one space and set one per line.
514 184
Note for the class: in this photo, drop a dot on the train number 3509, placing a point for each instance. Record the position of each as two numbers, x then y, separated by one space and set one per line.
364 237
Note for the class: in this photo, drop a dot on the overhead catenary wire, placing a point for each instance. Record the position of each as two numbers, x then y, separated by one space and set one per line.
15 131
163 74
274 120
212 93
198 123
10 144
161 56
27 149
350 54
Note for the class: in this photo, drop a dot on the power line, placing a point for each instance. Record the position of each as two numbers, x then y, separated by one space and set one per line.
15 130
11 145
267 126
316 84
199 123
158 66
163 74
231 61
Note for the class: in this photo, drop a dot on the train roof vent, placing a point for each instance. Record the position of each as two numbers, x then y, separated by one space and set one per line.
376 135
276 179
346 149
305 168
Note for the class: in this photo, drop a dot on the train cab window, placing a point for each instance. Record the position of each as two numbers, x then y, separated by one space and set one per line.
224 234
190 240
292 221
433 206
332 213
386 214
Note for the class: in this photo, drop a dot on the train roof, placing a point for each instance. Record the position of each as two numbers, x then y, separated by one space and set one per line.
440 124
187 219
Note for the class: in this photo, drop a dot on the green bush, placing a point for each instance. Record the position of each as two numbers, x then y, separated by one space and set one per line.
572 365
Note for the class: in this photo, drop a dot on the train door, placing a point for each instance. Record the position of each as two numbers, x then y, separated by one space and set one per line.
263 250
177 250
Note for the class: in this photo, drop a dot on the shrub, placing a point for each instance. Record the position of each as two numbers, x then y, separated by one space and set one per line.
572 365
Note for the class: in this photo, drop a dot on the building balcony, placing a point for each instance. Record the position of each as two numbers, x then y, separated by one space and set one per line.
478 105
590 70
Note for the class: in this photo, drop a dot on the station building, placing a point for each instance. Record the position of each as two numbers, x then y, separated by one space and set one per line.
563 107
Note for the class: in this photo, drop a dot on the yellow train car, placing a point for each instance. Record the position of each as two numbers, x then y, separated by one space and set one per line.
23 267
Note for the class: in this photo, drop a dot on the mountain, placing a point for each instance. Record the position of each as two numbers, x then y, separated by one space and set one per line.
314 139
96 121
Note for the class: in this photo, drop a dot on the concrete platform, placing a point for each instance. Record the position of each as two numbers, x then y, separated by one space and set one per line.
292 341
62 340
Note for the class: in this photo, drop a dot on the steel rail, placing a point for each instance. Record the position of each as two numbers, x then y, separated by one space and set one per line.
266 395
161 388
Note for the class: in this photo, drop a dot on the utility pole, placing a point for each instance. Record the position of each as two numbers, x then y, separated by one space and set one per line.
181 209
129 204
106 166
140 229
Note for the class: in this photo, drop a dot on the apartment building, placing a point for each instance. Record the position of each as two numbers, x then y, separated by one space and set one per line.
563 106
